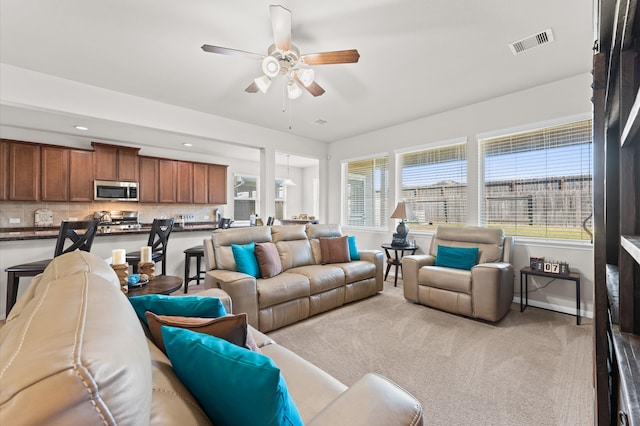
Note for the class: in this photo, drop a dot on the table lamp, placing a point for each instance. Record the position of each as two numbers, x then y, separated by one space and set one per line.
401 212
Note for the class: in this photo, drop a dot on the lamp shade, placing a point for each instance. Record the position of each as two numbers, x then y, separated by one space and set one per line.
401 211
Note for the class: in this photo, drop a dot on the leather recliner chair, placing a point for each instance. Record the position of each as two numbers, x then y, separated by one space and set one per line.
484 292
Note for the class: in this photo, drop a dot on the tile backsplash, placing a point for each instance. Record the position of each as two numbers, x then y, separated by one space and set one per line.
21 214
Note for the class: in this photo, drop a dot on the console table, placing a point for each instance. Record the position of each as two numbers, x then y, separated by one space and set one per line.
524 277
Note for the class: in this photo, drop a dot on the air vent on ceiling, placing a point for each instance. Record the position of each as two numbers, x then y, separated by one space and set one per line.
530 42
319 122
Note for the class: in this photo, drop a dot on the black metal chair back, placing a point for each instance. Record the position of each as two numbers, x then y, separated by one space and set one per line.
79 241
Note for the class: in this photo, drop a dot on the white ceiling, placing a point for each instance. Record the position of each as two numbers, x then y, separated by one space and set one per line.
418 57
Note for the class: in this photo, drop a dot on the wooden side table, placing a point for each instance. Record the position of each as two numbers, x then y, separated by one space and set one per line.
161 284
396 259
524 277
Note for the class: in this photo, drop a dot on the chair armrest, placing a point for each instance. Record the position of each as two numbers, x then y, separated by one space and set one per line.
373 400
411 264
242 289
377 258
492 290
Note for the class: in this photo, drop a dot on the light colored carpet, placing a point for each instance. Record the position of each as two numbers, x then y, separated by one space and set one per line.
531 368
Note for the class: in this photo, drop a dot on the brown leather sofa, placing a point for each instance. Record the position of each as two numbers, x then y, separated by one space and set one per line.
485 291
74 353
306 286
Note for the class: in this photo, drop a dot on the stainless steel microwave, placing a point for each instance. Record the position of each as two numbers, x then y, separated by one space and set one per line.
115 191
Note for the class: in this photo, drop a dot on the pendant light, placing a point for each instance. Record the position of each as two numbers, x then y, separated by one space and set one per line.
288 181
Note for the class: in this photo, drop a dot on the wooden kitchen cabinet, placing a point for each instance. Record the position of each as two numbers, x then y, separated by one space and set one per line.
54 177
200 183
184 182
167 181
4 170
148 188
217 176
24 171
80 175
116 163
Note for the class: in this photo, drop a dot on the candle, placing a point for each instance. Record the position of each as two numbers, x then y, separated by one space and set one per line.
118 256
145 254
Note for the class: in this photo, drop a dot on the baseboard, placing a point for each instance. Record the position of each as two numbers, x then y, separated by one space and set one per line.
555 308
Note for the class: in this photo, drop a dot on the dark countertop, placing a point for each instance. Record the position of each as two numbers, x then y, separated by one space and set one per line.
20 234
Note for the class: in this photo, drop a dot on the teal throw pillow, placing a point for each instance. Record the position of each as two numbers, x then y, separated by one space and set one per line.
245 257
457 257
234 385
184 306
353 248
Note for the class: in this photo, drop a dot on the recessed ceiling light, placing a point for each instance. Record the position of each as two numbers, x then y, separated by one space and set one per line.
187 144
81 128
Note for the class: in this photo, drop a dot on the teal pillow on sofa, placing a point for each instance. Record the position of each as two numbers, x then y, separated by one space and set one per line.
457 257
353 248
184 306
245 257
234 385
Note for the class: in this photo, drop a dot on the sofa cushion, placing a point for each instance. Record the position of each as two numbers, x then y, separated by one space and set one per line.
268 260
457 257
233 385
457 280
76 353
294 253
223 238
232 328
282 288
334 250
194 306
357 270
321 277
490 242
245 258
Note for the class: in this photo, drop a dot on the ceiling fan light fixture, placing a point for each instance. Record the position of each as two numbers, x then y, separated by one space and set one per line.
306 76
263 83
270 66
293 90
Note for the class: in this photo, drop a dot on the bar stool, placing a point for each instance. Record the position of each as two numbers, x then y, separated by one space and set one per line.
198 253
158 240
67 233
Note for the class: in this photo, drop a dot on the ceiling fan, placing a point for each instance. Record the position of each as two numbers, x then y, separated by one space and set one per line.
283 58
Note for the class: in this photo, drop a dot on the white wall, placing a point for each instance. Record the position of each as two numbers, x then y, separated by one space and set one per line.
549 104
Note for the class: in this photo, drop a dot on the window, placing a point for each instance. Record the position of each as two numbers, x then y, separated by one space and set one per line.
433 183
365 198
539 183
245 201
281 199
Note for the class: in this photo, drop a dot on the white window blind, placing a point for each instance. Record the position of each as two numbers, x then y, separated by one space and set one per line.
434 184
366 192
539 183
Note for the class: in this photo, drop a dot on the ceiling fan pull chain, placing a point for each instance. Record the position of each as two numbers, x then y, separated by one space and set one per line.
289 114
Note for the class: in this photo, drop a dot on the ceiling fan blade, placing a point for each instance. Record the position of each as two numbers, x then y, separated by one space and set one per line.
336 57
252 88
314 88
281 23
232 52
